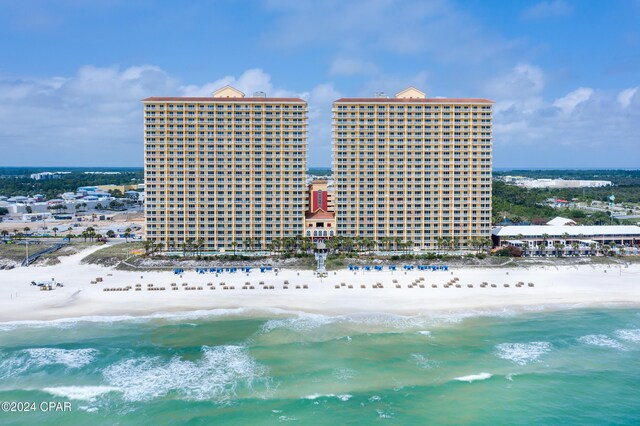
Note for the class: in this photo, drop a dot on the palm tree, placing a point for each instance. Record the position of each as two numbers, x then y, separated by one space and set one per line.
110 233
91 232
157 247
558 247
199 244
575 245
247 243
127 235
397 241
147 244
234 244
55 231
84 235
606 249
4 232
306 245
592 248
26 229
184 246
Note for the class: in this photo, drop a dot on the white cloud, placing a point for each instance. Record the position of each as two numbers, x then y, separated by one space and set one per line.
547 9
320 100
625 96
570 101
250 81
521 88
586 127
366 27
95 116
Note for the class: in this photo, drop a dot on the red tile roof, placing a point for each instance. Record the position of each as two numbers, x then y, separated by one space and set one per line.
320 214
212 99
417 100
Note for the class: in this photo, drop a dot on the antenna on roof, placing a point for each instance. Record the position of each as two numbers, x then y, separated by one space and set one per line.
259 94
381 95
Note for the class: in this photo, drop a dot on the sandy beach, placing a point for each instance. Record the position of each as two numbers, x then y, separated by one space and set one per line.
573 286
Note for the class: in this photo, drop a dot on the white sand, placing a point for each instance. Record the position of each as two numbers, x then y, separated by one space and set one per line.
582 286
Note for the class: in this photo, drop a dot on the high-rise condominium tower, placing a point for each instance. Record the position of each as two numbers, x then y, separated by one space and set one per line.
224 172
412 169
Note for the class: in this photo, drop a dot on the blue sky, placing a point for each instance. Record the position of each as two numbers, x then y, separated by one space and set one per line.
565 74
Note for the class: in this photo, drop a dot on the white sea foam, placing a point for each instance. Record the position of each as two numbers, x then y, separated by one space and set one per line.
65 323
384 414
374 398
523 353
314 396
343 373
425 333
85 393
601 340
215 376
422 361
474 377
628 334
36 358
300 323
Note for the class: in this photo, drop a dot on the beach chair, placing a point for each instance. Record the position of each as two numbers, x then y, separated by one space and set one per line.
363 286
337 286
530 284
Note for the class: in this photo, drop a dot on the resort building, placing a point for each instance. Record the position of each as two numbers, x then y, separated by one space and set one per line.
226 171
320 217
547 240
413 168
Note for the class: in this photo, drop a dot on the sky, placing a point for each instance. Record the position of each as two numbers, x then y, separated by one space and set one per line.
564 75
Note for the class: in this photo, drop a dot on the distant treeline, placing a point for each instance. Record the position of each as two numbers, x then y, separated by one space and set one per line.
319 171
22 184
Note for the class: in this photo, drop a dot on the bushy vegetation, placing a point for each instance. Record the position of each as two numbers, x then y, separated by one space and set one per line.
528 206
16 181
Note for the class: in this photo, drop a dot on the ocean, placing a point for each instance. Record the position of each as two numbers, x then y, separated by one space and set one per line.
234 367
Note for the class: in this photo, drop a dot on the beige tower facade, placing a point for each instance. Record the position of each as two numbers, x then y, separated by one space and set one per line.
413 168
226 170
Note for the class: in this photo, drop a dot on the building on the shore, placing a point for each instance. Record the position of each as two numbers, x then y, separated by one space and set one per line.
320 216
545 240
412 167
226 170
45 176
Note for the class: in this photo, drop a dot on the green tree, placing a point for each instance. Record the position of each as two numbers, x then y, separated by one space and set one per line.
55 231
127 235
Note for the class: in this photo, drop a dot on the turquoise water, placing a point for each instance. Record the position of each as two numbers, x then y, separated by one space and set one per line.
239 368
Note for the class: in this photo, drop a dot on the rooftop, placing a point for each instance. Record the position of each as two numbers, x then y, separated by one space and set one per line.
572 231
415 100
320 214
217 100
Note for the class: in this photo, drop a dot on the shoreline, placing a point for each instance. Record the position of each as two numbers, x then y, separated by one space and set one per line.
555 287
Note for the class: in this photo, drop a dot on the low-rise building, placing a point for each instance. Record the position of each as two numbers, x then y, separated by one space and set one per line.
544 240
320 216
